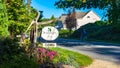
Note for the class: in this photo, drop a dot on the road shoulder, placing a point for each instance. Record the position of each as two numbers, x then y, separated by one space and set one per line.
103 64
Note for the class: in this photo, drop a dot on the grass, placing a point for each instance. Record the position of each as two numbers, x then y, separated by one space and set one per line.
72 58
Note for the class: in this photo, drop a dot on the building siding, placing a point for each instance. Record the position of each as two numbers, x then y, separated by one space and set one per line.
85 20
90 17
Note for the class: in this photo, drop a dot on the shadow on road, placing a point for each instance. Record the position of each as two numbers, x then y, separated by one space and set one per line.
108 50
114 52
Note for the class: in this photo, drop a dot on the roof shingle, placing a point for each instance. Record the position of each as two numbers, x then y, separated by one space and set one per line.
80 14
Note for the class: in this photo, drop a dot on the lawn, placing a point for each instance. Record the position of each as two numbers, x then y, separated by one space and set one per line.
72 58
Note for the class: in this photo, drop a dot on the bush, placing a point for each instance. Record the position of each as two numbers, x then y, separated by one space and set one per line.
107 33
102 31
19 62
65 33
78 33
13 56
9 48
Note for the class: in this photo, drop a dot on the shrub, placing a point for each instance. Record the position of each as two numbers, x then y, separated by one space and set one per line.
13 56
9 48
90 28
65 33
102 31
45 55
19 62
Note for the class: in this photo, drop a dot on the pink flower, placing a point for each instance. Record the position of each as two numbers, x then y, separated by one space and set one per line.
46 54
51 57
43 50
51 54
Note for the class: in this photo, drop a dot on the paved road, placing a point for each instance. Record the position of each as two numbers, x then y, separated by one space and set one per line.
96 50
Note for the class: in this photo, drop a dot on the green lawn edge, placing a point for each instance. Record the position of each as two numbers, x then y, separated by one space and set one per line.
72 58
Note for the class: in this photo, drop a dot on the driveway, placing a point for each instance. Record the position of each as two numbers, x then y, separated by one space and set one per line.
96 50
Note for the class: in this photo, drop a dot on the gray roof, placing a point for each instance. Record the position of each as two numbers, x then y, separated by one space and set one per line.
80 14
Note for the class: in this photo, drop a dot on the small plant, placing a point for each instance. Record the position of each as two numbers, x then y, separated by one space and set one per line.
45 55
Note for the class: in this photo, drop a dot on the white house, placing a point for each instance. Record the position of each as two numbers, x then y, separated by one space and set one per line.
82 18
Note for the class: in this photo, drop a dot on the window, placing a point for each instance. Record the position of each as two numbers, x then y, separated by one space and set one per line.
88 16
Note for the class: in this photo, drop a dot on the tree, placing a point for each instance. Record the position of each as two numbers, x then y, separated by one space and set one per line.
3 20
71 20
112 6
41 16
17 16
52 17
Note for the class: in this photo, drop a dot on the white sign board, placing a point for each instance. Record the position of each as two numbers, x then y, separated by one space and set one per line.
49 33
49 44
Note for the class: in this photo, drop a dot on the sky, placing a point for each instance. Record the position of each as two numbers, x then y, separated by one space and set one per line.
48 8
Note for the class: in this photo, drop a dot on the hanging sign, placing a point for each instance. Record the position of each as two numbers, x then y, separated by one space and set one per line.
49 33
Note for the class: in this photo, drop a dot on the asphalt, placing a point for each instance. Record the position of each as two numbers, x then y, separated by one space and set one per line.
96 50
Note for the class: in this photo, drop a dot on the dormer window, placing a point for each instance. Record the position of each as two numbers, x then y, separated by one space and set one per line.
88 16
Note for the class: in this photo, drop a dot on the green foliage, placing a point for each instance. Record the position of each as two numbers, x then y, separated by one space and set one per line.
90 28
113 11
72 58
15 18
3 20
16 28
13 56
9 48
50 24
26 44
52 17
18 16
45 19
20 62
68 3
112 6
108 33
103 31
64 33
41 15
